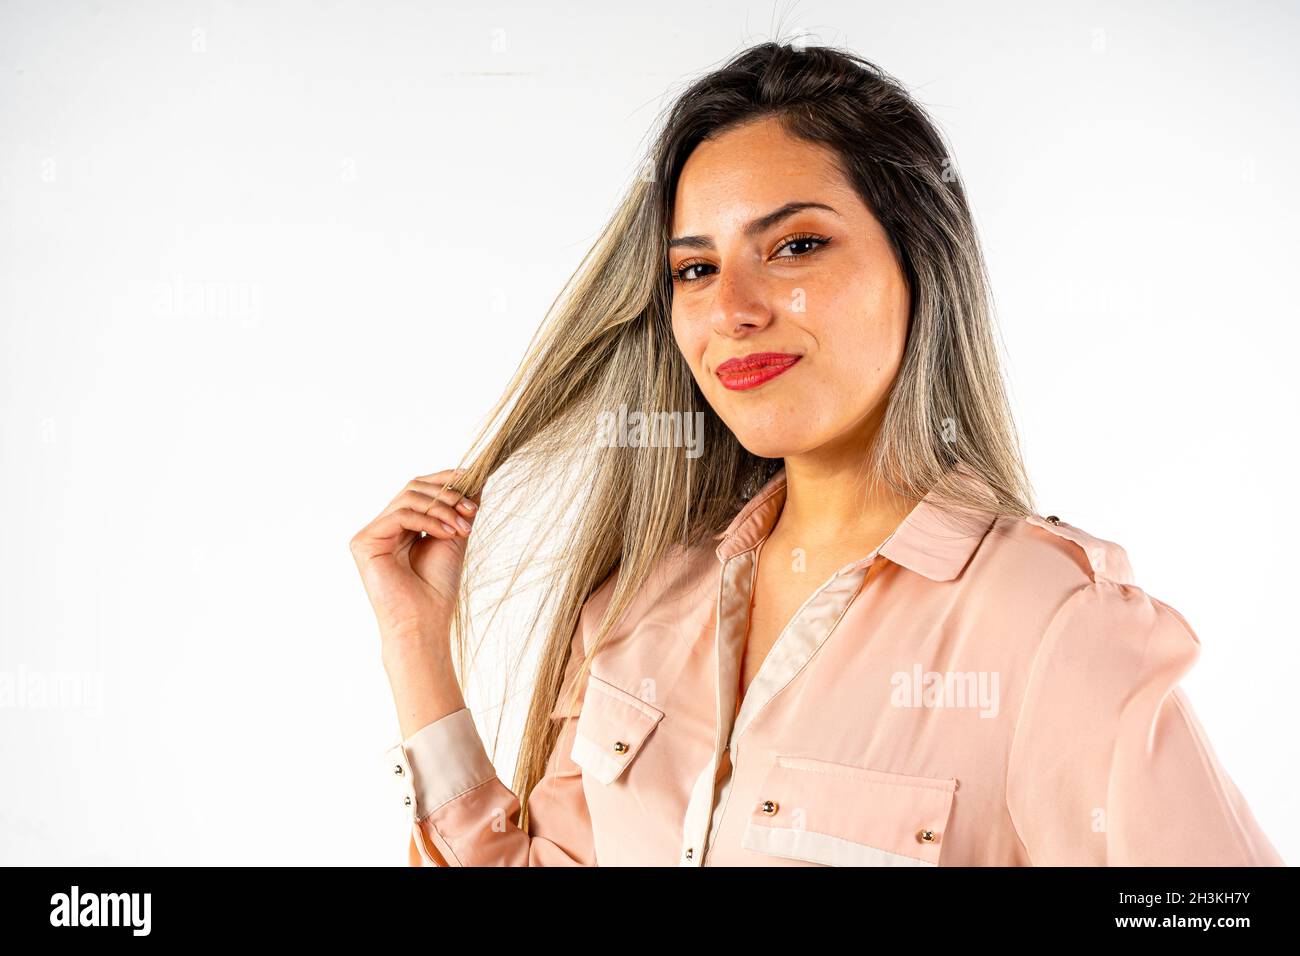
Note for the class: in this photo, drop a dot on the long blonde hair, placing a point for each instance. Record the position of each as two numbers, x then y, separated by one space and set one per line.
607 342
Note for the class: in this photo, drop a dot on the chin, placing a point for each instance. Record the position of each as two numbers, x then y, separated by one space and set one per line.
773 444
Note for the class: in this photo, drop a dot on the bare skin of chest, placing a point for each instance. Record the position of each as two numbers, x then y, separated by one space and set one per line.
779 591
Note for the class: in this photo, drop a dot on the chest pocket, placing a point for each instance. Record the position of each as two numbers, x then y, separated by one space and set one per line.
611 730
835 814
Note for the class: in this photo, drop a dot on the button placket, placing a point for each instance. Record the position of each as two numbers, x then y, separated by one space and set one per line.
697 832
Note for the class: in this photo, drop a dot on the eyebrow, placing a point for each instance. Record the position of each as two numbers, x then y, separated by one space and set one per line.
753 228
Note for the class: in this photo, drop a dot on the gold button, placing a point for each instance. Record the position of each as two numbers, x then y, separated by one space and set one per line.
398 770
620 747
406 801
1053 519
926 836
690 852
769 807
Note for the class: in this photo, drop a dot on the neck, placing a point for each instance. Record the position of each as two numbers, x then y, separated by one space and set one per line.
830 503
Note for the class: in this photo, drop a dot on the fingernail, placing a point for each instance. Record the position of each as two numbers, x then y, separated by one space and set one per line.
464 525
450 529
467 505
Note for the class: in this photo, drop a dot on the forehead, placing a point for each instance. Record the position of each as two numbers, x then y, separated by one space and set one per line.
748 171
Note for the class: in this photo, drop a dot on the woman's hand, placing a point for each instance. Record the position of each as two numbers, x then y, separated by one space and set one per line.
412 581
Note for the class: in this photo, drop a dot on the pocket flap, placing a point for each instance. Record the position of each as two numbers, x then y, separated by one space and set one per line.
611 729
841 815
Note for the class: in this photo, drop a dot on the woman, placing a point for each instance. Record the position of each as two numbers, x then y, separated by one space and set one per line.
837 632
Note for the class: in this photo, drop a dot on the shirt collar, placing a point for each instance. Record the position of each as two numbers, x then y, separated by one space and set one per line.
933 540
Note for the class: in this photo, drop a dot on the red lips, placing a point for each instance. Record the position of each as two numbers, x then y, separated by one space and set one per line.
751 371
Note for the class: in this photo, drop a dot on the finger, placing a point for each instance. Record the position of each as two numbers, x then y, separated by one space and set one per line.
441 480
447 515
419 501
457 499
438 489
443 477
411 519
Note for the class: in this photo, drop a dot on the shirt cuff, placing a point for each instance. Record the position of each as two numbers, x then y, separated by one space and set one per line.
439 762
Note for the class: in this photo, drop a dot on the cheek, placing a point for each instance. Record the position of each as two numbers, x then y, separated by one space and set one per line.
861 336
690 341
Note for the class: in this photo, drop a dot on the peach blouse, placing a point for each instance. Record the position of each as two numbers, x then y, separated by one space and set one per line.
997 692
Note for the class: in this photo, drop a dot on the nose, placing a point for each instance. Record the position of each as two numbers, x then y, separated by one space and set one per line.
739 306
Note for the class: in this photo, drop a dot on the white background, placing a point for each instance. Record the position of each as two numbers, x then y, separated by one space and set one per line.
259 267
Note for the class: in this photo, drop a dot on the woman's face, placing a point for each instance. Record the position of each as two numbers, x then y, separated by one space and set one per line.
817 288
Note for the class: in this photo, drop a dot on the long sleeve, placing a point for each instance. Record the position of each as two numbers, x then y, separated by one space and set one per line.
462 815
1109 765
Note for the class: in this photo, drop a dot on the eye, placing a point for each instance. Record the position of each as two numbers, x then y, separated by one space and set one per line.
803 239
680 273
683 273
